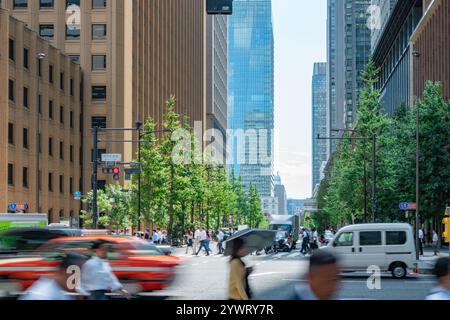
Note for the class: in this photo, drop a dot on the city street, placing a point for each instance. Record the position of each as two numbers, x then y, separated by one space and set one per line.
205 278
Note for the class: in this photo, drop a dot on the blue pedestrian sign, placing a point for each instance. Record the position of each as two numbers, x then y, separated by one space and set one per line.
12 206
77 195
407 206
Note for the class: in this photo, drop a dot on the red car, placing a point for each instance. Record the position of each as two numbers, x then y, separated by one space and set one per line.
138 264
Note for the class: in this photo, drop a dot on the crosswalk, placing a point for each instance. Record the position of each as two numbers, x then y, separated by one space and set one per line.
277 256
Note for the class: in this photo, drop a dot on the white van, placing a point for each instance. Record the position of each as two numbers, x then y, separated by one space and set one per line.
390 246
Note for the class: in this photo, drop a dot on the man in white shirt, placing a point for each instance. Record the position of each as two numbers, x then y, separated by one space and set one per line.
435 239
197 236
202 242
62 284
421 237
442 272
220 236
97 277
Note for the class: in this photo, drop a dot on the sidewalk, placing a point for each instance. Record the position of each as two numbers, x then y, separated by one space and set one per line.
427 261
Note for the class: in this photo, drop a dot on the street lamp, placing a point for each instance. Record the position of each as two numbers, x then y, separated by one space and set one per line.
39 57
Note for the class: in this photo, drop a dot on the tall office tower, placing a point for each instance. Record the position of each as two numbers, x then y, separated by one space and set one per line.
319 121
348 46
280 195
382 10
392 54
251 93
40 125
217 84
134 54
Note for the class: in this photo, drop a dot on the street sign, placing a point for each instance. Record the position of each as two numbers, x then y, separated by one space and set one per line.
77 195
111 157
12 206
408 206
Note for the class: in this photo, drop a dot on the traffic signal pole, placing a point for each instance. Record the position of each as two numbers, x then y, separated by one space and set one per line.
94 179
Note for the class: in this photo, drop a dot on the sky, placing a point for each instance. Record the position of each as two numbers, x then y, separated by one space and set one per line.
300 40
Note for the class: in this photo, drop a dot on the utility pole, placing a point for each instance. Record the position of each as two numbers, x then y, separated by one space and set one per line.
138 127
94 179
374 177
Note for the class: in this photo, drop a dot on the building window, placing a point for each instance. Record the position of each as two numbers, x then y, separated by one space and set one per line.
98 4
46 4
50 182
40 104
98 93
71 153
75 59
50 147
71 87
20 4
10 174
72 33
46 30
11 49
50 109
61 150
25 58
98 62
61 115
61 184
11 90
61 81
71 119
50 73
98 31
10 133
25 177
72 2
25 138
25 97
99 122
70 185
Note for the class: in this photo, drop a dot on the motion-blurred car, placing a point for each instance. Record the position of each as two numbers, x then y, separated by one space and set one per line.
139 265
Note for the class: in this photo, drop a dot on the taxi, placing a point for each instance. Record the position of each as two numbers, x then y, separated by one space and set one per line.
138 264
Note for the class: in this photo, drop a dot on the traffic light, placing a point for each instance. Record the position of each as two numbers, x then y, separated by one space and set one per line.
446 233
219 7
116 173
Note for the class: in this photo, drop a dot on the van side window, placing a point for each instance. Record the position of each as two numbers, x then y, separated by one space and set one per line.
345 239
370 238
395 238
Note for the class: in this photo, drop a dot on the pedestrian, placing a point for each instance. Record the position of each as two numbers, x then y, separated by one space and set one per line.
147 234
189 241
97 277
59 285
207 241
313 241
155 238
441 271
159 235
322 280
421 240
203 237
197 237
164 237
435 240
238 287
305 242
220 237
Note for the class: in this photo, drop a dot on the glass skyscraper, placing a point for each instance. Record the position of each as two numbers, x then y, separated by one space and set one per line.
251 93
319 121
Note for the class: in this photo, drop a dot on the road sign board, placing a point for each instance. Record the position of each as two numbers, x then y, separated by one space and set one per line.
111 157
77 195
12 206
408 206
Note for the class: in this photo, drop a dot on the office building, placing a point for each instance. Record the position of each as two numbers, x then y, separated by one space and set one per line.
41 136
348 51
431 43
319 121
251 93
295 206
280 194
269 206
217 84
133 56
392 54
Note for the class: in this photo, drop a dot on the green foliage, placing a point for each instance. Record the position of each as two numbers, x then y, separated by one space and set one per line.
341 195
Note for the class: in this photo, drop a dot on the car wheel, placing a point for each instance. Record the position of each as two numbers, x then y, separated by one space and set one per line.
398 271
